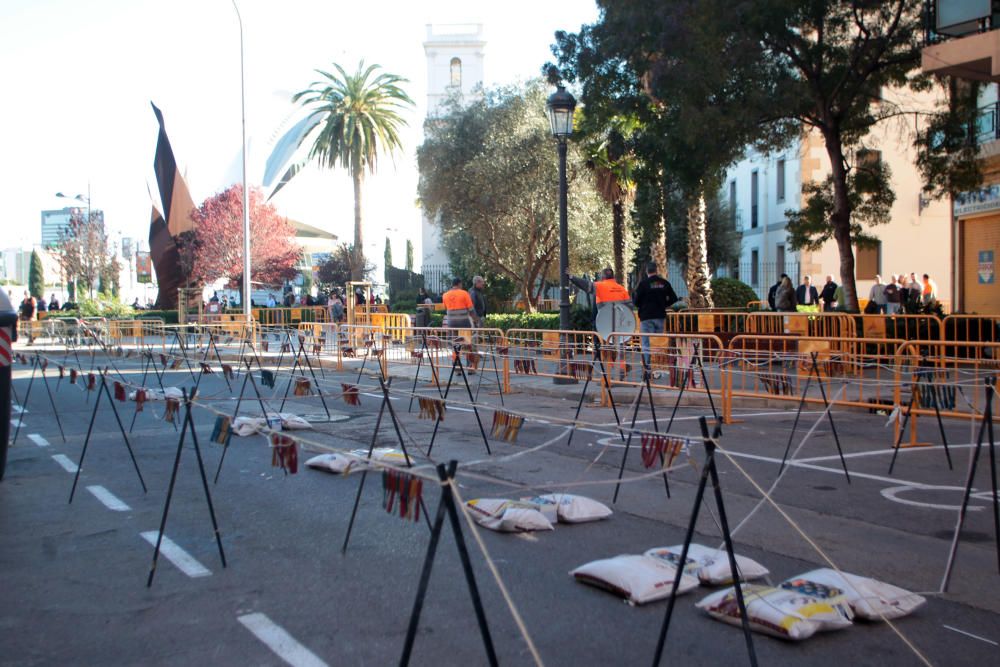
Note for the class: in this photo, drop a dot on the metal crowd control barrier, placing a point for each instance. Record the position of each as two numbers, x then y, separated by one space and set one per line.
290 316
905 327
549 353
945 382
972 328
685 361
776 368
814 325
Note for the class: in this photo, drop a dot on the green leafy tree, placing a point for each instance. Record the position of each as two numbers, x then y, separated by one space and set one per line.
489 180
409 255
353 119
36 276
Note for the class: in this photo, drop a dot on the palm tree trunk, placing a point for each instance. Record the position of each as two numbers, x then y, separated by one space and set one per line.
698 282
358 270
618 238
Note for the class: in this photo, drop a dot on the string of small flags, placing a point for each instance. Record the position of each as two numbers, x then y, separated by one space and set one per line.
506 425
581 369
170 412
777 384
140 398
227 372
284 453
302 386
656 446
351 394
431 408
72 375
221 431
404 491
91 381
119 392
205 368
267 379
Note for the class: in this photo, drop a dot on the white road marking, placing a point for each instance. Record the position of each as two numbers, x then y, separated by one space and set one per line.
38 439
279 641
17 408
892 493
108 499
16 423
65 462
969 634
184 561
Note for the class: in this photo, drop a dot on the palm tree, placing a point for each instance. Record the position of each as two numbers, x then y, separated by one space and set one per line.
699 282
613 164
358 116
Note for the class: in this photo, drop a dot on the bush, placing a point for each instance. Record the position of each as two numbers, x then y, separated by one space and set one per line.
732 293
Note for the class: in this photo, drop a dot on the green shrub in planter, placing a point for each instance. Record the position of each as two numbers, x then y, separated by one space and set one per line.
732 293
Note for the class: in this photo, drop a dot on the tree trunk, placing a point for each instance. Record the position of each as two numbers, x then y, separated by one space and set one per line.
618 238
840 219
358 271
698 281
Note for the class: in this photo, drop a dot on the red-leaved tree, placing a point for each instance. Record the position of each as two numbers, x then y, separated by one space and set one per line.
217 249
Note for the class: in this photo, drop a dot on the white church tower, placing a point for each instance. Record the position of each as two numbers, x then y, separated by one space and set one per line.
454 65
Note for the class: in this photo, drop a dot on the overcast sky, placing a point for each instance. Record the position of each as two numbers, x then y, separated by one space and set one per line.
77 77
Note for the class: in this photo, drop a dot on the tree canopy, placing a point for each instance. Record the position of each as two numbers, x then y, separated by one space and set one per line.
215 250
489 180
84 250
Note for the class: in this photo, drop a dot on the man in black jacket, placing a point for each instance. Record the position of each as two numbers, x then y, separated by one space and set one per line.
806 293
652 296
828 295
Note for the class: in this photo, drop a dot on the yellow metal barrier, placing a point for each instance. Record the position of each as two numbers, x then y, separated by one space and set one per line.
905 327
290 316
550 353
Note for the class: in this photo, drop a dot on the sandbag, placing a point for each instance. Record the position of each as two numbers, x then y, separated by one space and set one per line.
157 395
781 613
638 579
870 599
507 516
244 426
290 422
711 566
340 464
572 508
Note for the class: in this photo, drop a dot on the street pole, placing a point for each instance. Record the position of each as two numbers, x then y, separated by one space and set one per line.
247 313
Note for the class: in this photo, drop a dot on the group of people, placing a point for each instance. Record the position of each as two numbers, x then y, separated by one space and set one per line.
30 306
463 309
888 298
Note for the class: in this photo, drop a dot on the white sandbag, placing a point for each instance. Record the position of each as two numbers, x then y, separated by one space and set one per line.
574 509
507 516
157 395
711 566
638 579
244 426
290 422
870 599
777 612
340 464
389 455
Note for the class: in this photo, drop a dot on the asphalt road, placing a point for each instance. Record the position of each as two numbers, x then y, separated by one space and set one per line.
73 576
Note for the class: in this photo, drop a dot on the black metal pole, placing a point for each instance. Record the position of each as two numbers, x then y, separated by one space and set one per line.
562 377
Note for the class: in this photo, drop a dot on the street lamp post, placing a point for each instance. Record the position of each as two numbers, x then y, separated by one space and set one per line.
560 106
247 313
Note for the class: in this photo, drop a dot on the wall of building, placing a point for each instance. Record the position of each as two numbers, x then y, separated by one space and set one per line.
917 239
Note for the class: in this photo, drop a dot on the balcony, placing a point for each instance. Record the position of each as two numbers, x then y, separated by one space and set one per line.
962 39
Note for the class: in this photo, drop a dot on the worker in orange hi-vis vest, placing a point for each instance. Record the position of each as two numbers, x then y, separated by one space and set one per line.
607 293
458 306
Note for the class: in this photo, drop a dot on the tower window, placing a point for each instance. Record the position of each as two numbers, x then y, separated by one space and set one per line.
456 72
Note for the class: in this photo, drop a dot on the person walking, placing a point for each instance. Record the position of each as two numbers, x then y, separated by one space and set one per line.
27 311
784 296
774 290
459 309
877 295
478 295
652 296
828 294
806 293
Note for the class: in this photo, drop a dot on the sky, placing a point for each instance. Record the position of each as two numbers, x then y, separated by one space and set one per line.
78 75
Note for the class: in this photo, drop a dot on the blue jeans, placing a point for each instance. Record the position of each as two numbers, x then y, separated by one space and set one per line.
649 327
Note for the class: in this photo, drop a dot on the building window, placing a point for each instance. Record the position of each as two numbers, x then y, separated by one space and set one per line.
456 72
780 185
779 259
754 192
868 262
732 202
754 267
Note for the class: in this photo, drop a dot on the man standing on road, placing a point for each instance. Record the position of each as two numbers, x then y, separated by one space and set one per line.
828 295
478 300
458 306
652 296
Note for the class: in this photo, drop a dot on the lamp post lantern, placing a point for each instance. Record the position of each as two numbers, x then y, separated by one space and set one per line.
561 105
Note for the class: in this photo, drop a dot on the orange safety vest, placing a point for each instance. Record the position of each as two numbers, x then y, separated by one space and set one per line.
457 299
610 290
